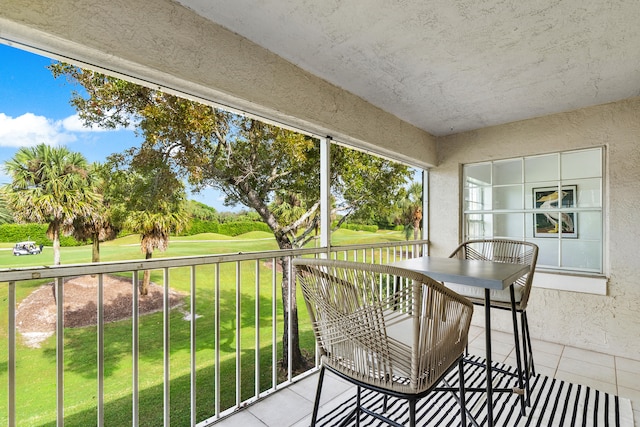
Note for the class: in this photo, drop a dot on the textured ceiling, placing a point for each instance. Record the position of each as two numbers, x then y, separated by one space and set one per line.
449 66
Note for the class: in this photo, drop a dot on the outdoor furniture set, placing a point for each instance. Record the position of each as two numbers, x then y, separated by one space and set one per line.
399 329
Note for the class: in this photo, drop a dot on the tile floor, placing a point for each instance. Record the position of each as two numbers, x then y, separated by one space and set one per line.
292 406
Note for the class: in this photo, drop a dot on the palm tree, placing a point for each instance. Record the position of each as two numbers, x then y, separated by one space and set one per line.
95 228
5 214
50 185
154 229
99 226
412 211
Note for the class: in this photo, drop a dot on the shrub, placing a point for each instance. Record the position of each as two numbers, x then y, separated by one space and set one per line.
360 227
237 228
11 233
199 226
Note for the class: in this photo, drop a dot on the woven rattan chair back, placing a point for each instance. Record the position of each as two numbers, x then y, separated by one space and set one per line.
504 250
398 339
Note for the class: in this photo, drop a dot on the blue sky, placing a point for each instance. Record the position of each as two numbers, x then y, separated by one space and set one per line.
34 108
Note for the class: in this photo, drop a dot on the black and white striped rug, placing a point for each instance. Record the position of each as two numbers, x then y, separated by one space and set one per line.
554 403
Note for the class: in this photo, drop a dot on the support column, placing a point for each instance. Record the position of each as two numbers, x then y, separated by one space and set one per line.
325 194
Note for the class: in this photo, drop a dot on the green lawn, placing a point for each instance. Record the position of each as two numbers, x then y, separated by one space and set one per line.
36 374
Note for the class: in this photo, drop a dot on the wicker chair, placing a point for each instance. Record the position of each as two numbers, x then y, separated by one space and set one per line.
400 344
518 252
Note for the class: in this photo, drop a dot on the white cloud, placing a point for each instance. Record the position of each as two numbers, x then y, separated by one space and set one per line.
74 124
28 130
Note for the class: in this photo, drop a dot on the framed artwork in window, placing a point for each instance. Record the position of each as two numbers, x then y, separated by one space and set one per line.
548 223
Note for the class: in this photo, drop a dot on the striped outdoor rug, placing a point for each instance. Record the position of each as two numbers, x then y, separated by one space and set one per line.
554 403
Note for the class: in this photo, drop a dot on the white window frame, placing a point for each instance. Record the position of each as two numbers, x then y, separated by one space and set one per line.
478 205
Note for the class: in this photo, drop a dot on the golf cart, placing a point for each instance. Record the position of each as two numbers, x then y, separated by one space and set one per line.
26 248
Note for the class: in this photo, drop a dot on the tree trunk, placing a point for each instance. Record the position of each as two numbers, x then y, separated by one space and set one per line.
417 219
144 286
297 361
55 232
55 237
95 248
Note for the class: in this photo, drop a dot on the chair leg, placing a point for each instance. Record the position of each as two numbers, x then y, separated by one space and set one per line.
463 402
525 323
316 404
527 358
412 412
520 368
358 404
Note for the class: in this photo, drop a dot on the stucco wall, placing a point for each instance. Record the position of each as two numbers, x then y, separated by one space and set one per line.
164 43
609 323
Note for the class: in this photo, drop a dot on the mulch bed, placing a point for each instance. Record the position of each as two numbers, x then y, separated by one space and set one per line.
36 314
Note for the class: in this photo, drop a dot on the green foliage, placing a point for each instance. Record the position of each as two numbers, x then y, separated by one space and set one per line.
238 228
146 198
228 228
271 170
51 185
360 227
12 233
198 226
200 211
5 213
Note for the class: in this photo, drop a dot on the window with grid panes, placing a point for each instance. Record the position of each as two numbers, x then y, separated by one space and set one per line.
554 200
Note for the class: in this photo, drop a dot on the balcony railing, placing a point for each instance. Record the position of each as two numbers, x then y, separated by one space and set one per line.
217 355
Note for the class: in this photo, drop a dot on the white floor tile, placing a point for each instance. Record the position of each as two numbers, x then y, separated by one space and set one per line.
583 368
550 360
586 381
630 393
589 356
283 408
547 347
242 418
629 380
627 365
546 371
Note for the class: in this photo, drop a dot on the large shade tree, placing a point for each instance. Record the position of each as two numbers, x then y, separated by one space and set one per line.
51 185
254 164
146 198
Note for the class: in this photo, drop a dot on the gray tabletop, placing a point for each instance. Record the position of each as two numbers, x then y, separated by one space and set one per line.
483 274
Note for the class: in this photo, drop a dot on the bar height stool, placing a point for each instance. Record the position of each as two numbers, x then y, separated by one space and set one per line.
515 298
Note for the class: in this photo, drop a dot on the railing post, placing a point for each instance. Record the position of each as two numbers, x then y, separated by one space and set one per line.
12 355
135 344
192 345
217 340
238 338
257 329
166 348
100 343
274 323
59 293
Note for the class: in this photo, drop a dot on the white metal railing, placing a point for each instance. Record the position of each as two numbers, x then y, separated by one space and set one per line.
13 278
